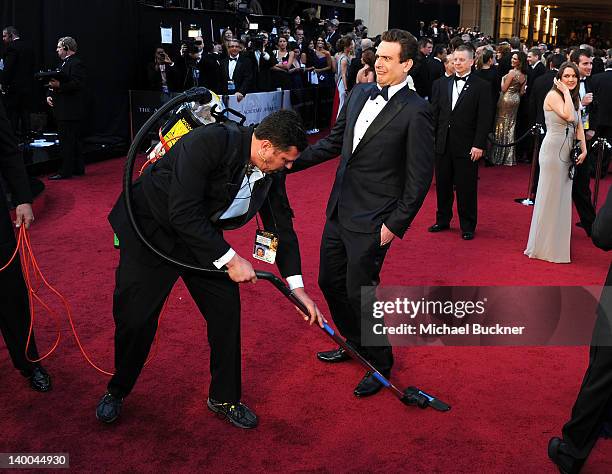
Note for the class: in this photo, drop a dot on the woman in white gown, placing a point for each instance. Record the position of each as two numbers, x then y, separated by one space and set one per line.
551 223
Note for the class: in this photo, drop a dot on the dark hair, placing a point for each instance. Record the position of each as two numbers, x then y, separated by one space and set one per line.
575 56
438 49
407 42
11 30
424 41
536 52
343 43
455 42
283 129
575 93
556 60
486 56
522 57
369 58
515 42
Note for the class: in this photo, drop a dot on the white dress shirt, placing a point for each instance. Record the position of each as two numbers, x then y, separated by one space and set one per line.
239 207
232 67
372 108
457 88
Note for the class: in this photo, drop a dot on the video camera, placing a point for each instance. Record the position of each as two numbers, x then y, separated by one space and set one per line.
193 45
256 40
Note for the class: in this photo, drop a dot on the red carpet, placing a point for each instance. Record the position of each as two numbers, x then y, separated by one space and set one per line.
507 402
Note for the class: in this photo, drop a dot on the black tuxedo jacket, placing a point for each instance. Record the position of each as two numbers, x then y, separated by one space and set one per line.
262 79
588 87
243 75
420 76
539 89
333 39
18 73
70 99
532 74
468 124
386 178
178 201
436 68
602 100
11 164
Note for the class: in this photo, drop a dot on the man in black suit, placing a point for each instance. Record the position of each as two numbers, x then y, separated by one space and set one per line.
592 405
462 113
420 71
236 72
67 98
581 190
14 304
217 178
17 80
163 73
384 135
333 35
262 62
540 88
435 62
602 114
534 70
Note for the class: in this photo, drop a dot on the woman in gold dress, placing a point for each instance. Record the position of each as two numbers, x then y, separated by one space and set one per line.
512 88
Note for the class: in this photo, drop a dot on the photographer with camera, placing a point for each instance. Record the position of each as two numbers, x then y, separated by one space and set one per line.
162 73
262 61
200 65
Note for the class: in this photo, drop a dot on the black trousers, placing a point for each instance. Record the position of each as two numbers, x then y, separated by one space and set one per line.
462 174
69 132
18 112
143 282
14 304
595 397
581 191
348 261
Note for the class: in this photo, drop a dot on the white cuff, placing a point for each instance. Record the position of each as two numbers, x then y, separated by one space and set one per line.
220 262
295 281
266 56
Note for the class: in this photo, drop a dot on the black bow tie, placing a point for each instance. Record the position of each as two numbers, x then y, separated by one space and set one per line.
583 79
233 59
464 78
384 93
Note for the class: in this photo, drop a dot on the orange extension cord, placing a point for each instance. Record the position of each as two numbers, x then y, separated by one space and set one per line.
32 273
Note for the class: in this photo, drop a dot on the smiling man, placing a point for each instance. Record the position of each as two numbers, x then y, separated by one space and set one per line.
384 135
216 178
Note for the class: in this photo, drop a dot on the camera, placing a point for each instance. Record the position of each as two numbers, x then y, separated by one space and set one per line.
193 45
256 41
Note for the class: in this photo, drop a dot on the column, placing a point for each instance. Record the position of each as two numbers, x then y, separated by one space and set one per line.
375 15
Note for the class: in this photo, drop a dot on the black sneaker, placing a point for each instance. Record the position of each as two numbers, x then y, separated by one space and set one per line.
236 413
109 408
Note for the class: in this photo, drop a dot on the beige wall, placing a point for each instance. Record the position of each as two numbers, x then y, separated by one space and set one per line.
469 13
375 15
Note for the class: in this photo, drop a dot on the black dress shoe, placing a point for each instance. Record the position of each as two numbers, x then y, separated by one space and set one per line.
237 413
438 228
369 385
109 408
337 355
56 177
40 380
558 453
467 235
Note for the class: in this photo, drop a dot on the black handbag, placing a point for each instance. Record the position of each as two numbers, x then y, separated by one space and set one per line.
574 155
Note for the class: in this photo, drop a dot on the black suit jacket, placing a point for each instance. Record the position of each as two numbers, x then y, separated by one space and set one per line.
532 74
386 178
18 73
420 76
11 164
468 124
179 200
243 75
436 68
173 77
70 99
602 100
539 89
262 71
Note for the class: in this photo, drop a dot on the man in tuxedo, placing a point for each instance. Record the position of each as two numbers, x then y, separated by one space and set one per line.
14 304
435 62
540 88
420 71
17 80
602 116
384 136
581 190
67 98
263 62
333 35
217 178
163 73
462 112
592 405
534 70
236 72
